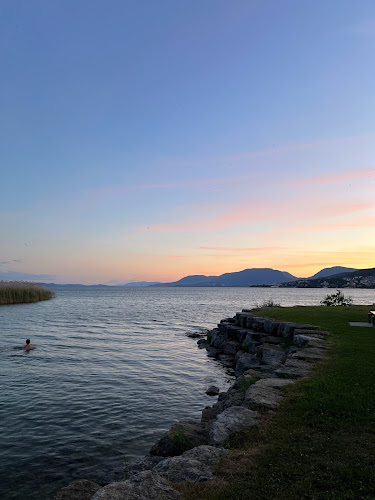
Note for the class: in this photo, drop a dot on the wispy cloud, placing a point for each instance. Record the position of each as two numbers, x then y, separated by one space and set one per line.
94 196
334 178
234 250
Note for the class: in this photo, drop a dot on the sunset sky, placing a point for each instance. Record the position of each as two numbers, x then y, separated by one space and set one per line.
153 139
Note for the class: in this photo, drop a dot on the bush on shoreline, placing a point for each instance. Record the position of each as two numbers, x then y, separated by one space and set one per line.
21 292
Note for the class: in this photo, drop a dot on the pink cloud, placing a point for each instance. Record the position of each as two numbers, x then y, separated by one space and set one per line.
349 175
247 250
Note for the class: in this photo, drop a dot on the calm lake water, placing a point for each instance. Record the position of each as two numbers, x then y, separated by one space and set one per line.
113 369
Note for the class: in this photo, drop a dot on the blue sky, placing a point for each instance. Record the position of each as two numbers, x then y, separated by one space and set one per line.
137 135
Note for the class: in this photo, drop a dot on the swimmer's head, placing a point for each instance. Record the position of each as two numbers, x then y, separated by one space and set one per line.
28 341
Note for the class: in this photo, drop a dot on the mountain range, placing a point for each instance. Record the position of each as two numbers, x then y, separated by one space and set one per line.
247 277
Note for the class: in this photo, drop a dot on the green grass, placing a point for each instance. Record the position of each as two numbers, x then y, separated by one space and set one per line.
17 292
321 442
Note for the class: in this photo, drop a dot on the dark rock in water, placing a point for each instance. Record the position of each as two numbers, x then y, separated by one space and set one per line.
227 360
181 436
202 343
213 390
213 351
78 490
195 335
147 485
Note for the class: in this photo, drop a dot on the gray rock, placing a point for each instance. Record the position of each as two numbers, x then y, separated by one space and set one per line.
213 352
288 329
147 485
315 332
309 354
193 466
244 361
192 433
231 420
257 324
310 340
219 339
293 368
271 354
202 343
136 465
236 334
250 343
226 359
206 454
77 490
271 326
213 390
257 373
266 393
231 348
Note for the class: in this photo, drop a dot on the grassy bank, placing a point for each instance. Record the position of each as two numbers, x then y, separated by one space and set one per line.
321 443
17 292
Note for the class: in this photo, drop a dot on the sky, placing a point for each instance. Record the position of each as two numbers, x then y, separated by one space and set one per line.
157 139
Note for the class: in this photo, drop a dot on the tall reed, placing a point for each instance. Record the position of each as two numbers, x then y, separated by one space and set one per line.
17 292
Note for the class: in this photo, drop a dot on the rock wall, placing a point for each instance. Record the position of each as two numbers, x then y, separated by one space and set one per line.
266 355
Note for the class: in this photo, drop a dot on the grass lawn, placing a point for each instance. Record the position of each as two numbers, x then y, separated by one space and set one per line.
320 444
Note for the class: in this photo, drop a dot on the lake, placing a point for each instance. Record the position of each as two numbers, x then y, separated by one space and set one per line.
113 368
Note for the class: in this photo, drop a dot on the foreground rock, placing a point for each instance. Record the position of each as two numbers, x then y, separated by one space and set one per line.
146 485
232 420
266 393
77 490
192 466
181 437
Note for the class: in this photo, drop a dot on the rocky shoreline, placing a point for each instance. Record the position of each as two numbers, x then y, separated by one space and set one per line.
265 355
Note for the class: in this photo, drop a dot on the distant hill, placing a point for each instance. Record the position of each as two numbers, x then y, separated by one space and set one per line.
330 271
361 278
247 277
141 283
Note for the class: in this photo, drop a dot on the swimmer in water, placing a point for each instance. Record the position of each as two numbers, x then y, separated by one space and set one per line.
28 346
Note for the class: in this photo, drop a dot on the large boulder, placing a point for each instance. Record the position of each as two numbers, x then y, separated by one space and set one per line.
78 490
311 354
293 368
230 421
147 485
244 361
301 340
266 393
231 348
181 436
192 466
271 326
271 354
135 465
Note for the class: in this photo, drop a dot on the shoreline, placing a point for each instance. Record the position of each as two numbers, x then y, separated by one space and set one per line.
266 356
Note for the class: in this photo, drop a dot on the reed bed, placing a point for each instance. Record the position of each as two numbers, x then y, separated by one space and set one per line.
20 292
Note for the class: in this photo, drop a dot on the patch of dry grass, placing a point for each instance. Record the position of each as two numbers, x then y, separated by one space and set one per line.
20 292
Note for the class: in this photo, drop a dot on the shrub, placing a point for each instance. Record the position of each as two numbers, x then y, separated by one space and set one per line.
268 303
247 382
336 299
182 442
